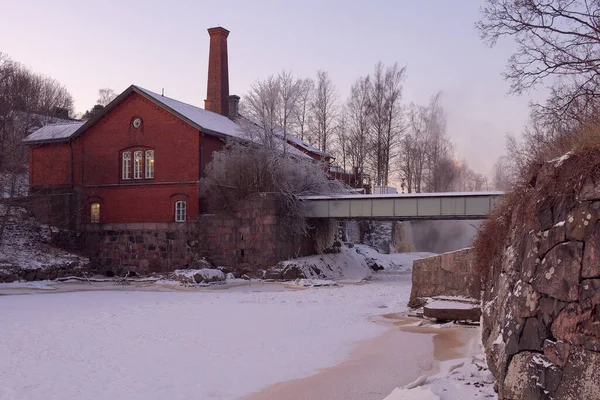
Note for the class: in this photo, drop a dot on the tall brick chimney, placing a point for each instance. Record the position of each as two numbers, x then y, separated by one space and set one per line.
217 89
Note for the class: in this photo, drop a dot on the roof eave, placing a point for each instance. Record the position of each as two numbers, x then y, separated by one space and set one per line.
46 141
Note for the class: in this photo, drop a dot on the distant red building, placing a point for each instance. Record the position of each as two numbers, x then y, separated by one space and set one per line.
141 159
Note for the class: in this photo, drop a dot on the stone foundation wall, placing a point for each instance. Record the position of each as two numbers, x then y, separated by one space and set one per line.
448 274
140 248
253 237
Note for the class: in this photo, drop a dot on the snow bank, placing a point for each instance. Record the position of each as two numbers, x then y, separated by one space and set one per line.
26 250
197 276
348 266
467 378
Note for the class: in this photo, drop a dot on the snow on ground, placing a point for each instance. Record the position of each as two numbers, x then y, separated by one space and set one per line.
207 344
347 266
460 379
397 262
26 243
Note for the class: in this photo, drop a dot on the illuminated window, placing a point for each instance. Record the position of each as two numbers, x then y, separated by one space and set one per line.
126 165
95 213
149 164
180 211
137 164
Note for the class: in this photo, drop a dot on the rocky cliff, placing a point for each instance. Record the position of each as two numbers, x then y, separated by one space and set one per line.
541 301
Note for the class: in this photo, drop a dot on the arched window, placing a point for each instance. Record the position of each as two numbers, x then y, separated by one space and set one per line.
180 207
95 213
149 164
137 164
126 167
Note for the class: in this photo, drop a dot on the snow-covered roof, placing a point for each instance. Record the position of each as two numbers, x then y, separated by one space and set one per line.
54 132
295 140
206 119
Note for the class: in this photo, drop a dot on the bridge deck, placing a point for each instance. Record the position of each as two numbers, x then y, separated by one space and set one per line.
456 205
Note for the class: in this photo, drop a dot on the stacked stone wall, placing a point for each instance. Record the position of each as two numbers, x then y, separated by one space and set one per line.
541 310
448 274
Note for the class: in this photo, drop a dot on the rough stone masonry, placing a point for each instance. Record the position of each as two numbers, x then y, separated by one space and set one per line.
541 310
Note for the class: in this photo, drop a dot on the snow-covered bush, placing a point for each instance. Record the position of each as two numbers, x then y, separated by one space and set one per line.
243 168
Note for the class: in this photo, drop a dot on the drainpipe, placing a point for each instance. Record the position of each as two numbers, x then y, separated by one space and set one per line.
72 172
201 172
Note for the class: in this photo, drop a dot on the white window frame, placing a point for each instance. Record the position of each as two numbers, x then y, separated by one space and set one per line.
180 211
126 165
149 164
95 213
138 158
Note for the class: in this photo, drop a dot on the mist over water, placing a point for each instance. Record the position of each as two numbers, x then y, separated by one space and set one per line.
443 236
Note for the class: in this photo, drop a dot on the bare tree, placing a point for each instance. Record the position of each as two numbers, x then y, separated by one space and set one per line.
386 114
105 96
558 44
413 149
305 88
439 148
503 175
324 109
342 144
272 108
262 105
358 124
289 93
27 101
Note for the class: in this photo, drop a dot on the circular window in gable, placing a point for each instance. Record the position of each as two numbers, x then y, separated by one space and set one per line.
137 122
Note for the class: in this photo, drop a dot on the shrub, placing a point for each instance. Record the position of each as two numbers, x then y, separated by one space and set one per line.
242 169
552 177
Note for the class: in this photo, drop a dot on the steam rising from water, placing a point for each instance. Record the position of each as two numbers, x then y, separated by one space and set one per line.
443 236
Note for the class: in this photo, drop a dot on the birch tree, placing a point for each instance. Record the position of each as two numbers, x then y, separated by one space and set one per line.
358 125
386 118
324 109
305 94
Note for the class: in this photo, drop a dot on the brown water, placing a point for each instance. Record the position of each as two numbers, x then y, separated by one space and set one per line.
375 367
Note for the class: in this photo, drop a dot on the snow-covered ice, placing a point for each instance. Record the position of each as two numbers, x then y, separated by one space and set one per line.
207 344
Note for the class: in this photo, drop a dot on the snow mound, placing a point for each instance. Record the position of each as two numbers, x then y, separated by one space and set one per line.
197 276
467 378
347 265
314 282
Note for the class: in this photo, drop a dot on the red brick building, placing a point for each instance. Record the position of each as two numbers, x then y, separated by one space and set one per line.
142 158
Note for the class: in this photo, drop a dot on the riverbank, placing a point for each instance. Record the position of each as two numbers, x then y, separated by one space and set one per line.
402 354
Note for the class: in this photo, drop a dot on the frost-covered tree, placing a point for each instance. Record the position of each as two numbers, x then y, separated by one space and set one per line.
245 168
385 112
305 88
27 101
324 110
272 107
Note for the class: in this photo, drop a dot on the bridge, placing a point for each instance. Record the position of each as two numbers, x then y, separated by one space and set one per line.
411 206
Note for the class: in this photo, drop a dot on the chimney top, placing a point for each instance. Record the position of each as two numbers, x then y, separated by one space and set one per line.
234 101
218 31
217 89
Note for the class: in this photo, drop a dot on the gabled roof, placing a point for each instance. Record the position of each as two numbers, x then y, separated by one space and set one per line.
296 141
207 121
200 117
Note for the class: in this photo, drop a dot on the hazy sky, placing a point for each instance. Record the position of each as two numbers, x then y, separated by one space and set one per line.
87 45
